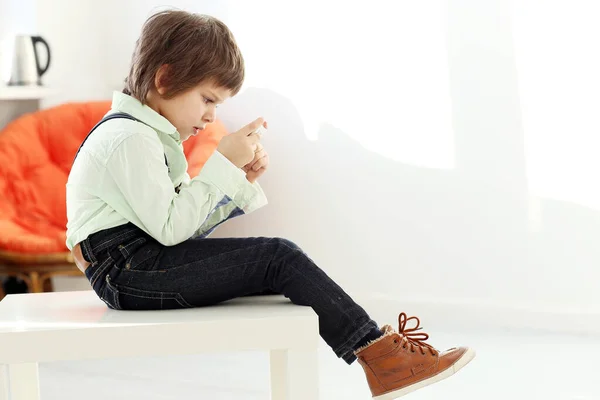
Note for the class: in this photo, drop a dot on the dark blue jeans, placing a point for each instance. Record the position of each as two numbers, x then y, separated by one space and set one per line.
131 271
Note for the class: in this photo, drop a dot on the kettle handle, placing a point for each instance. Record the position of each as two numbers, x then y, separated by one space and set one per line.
39 39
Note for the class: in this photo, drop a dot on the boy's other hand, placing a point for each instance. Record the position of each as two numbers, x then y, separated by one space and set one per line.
258 165
241 147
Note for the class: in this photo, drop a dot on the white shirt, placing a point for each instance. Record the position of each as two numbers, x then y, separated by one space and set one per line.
120 176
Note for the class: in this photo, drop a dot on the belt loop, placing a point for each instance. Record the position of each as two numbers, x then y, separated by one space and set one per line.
86 250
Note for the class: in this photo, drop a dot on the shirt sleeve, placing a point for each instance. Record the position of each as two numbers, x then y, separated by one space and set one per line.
247 200
169 217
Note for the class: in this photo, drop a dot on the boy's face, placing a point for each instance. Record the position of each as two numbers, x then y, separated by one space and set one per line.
191 110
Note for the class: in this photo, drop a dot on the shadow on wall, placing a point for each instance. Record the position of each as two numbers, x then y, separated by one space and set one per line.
383 227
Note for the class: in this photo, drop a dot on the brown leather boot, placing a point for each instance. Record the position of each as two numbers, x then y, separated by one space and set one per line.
401 362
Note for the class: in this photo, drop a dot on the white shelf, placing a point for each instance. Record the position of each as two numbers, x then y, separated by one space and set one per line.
24 92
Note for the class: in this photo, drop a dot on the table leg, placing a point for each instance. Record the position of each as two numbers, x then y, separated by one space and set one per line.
294 375
24 382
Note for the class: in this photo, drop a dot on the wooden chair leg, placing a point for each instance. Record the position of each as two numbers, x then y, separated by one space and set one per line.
47 285
35 283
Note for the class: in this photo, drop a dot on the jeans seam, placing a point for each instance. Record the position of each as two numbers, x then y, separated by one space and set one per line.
87 247
114 292
101 268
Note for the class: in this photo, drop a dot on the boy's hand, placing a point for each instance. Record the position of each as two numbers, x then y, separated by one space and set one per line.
241 147
258 165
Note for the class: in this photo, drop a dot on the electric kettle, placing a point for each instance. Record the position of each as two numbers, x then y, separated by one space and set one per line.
26 66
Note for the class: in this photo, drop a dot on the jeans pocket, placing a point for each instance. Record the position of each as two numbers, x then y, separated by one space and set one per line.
120 297
143 257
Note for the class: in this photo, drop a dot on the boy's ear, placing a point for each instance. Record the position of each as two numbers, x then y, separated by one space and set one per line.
161 79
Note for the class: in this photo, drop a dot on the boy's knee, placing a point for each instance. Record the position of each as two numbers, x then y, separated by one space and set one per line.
286 244
290 244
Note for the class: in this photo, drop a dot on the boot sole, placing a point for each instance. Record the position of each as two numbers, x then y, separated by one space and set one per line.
451 370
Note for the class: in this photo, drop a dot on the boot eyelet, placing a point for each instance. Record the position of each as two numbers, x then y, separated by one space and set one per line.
396 341
412 351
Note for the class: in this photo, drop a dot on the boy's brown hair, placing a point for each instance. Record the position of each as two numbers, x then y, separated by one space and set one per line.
196 48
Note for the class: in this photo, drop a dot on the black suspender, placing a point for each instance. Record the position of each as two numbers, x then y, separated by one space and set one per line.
108 118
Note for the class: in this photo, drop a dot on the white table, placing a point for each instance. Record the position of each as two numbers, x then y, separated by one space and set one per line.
77 325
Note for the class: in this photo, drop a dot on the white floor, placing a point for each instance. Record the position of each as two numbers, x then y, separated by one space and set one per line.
510 365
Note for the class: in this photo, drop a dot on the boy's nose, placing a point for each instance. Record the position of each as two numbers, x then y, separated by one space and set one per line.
209 117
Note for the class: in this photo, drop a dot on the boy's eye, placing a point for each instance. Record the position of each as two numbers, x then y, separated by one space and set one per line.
210 101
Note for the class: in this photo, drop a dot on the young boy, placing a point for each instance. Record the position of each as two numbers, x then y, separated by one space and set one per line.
138 225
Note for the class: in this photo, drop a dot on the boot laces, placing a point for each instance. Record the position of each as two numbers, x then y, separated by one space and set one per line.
411 338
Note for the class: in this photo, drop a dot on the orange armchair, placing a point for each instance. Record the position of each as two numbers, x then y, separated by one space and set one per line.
36 153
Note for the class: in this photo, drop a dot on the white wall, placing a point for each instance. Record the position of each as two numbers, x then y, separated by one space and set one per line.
17 17
451 220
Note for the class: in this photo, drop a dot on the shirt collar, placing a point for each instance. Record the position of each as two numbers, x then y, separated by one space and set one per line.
132 106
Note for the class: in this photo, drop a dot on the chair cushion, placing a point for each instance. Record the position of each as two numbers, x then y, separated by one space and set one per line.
36 153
